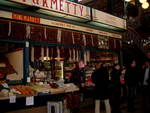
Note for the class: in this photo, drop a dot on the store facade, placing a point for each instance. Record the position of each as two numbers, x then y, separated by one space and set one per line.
41 40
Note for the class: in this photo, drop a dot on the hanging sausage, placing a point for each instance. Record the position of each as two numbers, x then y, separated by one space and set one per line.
32 54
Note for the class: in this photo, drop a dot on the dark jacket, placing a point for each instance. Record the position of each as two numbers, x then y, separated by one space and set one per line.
132 76
76 76
101 80
115 81
115 77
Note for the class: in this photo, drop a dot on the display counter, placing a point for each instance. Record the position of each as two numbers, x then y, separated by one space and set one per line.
17 102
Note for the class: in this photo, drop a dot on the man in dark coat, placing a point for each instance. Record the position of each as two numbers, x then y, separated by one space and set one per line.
101 80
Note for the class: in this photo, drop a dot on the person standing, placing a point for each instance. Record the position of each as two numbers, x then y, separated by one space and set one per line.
146 87
116 88
132 80
123 84
101 80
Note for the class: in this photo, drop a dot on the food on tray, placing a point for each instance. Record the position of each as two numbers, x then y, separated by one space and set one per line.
24 90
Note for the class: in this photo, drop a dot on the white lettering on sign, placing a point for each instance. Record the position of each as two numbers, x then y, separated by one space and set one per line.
62 6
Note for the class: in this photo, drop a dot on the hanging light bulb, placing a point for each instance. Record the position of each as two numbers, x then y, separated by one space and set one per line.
142 1
145 5
127 0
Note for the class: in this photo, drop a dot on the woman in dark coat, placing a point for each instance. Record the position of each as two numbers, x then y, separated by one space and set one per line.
116 89
132 79
101 80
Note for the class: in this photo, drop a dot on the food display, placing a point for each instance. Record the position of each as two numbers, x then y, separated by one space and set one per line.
2 81
7 91
24 90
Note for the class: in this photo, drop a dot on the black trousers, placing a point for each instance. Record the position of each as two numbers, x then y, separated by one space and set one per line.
115 99
131 98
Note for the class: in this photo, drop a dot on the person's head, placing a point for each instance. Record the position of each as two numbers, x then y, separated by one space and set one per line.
133 63
117 66
147 63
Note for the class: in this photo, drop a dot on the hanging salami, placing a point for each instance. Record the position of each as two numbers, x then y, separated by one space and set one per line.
84 39
59 36
42 54
70 55
32 54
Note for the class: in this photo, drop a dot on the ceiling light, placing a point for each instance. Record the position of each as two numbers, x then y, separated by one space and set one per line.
127 0
145 5
142 1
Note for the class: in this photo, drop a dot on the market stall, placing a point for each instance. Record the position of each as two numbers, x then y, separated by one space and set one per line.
41 46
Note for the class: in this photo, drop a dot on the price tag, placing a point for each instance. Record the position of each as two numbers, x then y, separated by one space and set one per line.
29 101
28 80
12 99
5 85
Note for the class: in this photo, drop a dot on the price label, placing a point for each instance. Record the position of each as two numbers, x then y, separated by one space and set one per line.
28 80
12 99
29 101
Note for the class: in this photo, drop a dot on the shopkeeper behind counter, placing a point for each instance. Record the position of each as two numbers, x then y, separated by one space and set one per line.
77 75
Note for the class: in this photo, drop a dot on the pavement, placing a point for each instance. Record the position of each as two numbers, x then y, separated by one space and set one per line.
87 106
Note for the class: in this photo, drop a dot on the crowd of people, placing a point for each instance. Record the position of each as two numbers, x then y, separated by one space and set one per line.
122 82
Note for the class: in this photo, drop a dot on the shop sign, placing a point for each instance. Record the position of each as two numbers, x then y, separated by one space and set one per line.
25 18
9 15
101 17
62 6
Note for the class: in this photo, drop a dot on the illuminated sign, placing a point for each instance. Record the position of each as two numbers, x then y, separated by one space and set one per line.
62 6
25 18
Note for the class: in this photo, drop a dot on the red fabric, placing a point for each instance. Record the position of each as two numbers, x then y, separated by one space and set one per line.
4 28
95 40
88 40
37 52
45 50
66 37
78 37
118 46
51 35
37 33
62 53
111 43
50 52
92 55
66 53
18 31
55 52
